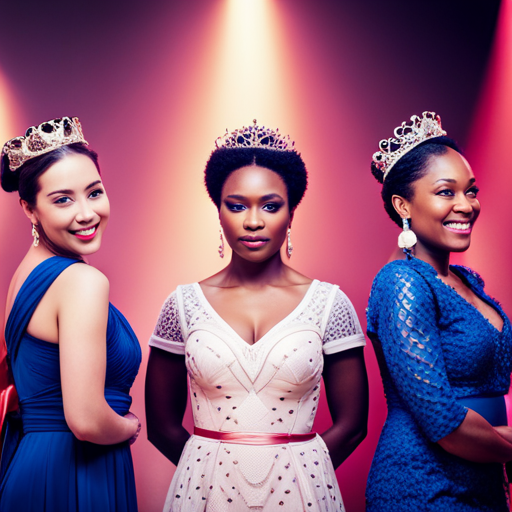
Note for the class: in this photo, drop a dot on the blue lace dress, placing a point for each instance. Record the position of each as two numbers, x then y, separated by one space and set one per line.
434 350
51 470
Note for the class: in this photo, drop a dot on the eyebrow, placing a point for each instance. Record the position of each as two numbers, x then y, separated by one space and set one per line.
449 180
69 191
266 197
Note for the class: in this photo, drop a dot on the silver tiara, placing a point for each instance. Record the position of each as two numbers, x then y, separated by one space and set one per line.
407 136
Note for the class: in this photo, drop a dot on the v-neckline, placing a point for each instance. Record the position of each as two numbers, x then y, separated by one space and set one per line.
480 296
461 275
295 310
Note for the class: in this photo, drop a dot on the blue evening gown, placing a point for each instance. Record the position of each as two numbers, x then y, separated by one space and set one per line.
50 469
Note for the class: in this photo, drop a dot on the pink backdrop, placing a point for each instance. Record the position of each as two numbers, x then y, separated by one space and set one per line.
154 87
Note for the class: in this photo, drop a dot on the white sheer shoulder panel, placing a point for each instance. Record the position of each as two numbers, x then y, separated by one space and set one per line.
168 333
193 307
314 311
343 330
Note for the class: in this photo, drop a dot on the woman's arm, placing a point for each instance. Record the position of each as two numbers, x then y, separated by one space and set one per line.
166 401
346 387
476 440
82 313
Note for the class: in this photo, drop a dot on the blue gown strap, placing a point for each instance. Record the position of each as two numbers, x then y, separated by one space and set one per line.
28 298
25 303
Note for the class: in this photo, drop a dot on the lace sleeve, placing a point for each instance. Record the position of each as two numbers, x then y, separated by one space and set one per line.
343 330
168 333
404 312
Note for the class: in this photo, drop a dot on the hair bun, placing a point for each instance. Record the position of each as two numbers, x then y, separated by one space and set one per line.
10 179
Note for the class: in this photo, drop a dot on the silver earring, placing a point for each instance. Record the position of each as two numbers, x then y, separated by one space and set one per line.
221 246
35 234
289 246
407 237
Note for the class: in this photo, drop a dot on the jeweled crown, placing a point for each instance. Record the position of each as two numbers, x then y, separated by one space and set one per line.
407 136
42 139
255 137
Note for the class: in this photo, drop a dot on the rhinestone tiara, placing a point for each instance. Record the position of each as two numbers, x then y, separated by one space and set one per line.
42 139
407 136
255 137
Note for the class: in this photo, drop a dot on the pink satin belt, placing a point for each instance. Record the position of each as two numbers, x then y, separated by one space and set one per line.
253 438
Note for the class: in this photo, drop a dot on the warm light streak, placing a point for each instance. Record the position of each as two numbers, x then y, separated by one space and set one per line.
9 128
10 212
7 112
249 73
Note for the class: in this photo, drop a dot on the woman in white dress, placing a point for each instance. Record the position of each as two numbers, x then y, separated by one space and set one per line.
255 340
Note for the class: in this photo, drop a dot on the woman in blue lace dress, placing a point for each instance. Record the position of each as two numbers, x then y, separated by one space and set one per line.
444 346
73 355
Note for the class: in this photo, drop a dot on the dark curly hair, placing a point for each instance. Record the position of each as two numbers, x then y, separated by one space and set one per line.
411 167
288 164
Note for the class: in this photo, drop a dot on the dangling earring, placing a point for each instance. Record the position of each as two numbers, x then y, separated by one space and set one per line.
35 234
221 246
407 237
289 246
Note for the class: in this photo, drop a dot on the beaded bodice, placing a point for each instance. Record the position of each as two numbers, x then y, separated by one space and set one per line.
270 386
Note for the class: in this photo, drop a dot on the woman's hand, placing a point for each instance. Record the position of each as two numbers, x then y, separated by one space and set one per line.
130 416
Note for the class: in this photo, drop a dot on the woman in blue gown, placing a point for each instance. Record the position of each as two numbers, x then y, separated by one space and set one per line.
73 355
443 345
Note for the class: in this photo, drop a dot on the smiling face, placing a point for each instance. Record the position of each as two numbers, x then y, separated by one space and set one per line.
444 206
254 212
72 207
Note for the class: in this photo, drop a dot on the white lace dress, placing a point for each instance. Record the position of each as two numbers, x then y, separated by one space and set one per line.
272 386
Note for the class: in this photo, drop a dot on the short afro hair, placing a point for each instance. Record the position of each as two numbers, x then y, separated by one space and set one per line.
287 164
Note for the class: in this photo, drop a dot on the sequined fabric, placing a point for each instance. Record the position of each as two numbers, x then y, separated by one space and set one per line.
433 347
272 386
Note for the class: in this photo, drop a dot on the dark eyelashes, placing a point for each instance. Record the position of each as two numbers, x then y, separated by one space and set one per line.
238 207
97 192
65 199
449 192
272 207
235 207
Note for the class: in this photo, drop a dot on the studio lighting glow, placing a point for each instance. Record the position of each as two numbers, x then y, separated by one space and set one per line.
249 79
6 111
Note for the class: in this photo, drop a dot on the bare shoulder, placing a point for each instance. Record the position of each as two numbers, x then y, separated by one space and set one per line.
84 274
82 280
